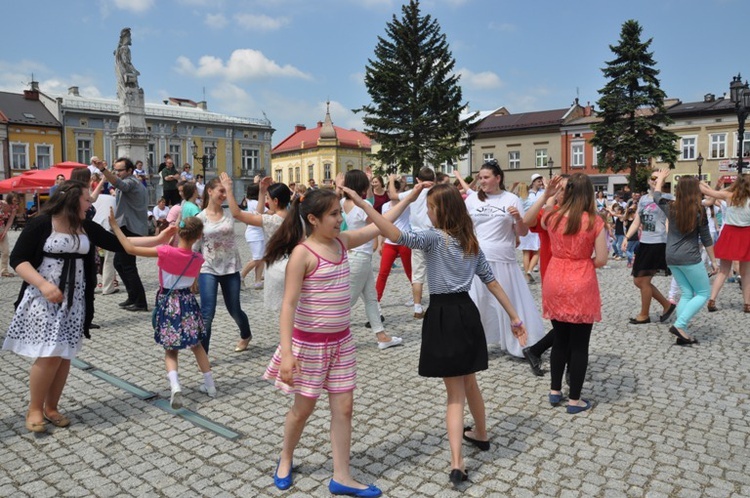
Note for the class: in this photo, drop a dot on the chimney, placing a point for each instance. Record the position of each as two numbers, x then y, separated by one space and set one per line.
73 90
709 97
203 105
35 86
31 94
320 124
298 128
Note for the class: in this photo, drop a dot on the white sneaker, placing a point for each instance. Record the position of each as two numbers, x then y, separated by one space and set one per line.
258 285
395 341
175 400
211 391
418 311
409 303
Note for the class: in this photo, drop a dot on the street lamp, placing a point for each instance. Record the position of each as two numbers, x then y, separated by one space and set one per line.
699 160
203 159
740 96
550 165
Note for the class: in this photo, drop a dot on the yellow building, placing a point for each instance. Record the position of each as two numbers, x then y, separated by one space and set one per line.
32 137
319 153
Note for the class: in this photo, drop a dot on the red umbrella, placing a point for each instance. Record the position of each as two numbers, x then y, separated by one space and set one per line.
38 179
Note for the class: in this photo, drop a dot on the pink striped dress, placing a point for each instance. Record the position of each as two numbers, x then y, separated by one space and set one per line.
321 341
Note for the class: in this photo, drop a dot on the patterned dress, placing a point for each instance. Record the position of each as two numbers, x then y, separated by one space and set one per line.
41 329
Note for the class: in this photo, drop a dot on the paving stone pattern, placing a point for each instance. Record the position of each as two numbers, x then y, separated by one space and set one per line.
668 420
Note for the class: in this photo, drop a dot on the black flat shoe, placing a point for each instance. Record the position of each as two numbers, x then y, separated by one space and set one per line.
94 326
534 361
457 476
136 307
663 318
482 445
681 340
635 321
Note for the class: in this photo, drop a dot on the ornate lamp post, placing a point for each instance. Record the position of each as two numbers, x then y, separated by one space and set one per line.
699 160
550 165
740 96
203 159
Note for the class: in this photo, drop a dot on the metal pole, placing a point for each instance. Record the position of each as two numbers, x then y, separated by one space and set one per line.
741 116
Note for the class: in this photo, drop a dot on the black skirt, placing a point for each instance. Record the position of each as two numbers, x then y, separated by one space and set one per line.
651 260
453 341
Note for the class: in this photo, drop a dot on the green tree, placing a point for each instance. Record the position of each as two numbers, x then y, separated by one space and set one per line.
415 113
632 109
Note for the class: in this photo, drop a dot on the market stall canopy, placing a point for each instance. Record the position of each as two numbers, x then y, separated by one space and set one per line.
38 180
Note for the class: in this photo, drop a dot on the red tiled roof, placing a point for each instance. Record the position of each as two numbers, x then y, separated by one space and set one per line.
509 122
308 139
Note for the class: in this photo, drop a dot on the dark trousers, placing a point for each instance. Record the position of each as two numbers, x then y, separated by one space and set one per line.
543 344
571 344
172 197
128 271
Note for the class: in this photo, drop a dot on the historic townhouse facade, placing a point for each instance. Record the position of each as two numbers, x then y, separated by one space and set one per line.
31 136
319 153
240 146
523 143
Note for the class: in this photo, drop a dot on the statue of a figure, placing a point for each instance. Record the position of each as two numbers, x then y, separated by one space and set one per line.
127 74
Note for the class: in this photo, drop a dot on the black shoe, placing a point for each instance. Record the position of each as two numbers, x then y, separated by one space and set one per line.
534 360
663 318
136 307
368 326
94 326
635 321
457 477
681 340
482 445
125 303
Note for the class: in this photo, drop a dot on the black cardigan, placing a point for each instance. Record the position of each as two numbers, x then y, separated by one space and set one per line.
30 247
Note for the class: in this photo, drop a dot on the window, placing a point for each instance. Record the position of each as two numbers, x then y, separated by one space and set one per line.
576 152
250 159
290 175
209 150
174 151
310 172
514 159
83 149
597 151
19 154
151 155
540 158
687 148
297 174
327 171
279 176
43 156
718 146
745 145
487 156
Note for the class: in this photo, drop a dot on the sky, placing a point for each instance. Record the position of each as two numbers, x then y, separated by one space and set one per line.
287 58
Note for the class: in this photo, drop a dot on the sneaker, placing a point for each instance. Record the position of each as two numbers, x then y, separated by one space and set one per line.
418 311
175 400
395 341
258 285
409 303
530 277
211 391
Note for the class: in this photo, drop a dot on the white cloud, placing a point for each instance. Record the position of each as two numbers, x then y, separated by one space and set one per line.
216 21
485 80
137 6
260 22
243 65
16 77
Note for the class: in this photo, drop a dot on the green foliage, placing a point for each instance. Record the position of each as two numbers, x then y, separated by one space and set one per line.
640 183
416 100
632 109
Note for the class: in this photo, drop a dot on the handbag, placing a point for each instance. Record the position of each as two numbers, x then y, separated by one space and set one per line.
153 312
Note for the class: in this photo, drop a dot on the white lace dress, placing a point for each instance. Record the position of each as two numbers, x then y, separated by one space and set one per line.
43 329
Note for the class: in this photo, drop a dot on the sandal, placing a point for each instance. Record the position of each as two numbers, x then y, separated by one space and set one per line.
7 274
746 308
59 421
38 428
711 305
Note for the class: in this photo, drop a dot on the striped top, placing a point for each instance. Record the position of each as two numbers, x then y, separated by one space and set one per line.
323 306
449 270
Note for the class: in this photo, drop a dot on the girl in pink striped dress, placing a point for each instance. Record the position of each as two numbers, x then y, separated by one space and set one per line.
316 351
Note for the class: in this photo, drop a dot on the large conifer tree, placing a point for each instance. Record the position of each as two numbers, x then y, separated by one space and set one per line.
632 108
416 100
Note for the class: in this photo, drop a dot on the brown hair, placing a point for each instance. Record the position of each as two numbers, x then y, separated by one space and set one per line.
66 201
578 199
191 230
214 183
740 190
452 217
687 208
493 167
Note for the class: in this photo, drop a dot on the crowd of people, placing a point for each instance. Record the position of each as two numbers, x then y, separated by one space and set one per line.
312 254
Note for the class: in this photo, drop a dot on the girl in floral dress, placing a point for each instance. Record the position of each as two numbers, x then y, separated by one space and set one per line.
177 319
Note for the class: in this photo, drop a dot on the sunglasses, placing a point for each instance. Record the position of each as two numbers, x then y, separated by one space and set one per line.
653 178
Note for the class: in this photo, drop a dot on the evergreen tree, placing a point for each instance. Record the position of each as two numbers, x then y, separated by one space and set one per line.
416 100
632 109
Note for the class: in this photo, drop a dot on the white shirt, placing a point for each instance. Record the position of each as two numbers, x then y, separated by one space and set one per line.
355 219
418 219
494 225
402 222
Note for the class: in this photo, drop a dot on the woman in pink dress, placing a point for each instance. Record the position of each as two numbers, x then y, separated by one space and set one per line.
570 294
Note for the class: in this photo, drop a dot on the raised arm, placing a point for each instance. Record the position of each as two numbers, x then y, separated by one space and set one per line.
244 216
461 181
127 244
530 217
723 195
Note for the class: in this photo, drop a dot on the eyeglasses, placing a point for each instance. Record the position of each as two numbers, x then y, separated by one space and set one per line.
119 170
653 178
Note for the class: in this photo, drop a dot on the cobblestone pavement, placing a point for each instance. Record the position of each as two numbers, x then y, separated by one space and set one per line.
668 420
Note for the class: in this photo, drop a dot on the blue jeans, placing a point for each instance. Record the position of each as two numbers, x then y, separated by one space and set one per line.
618 245
630 250
695 288
230 289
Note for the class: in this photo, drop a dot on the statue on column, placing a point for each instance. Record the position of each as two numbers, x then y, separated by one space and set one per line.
127 74
132 134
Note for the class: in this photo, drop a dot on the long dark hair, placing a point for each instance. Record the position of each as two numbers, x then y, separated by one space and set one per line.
281 193
81 174
494 168
452 217
66 201
688 210
357 180
296 225
215 182
578 199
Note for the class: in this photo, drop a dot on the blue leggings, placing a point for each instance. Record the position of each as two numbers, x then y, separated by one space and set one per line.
695 288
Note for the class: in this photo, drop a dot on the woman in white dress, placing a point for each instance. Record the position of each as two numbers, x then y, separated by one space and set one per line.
529 243
497 216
